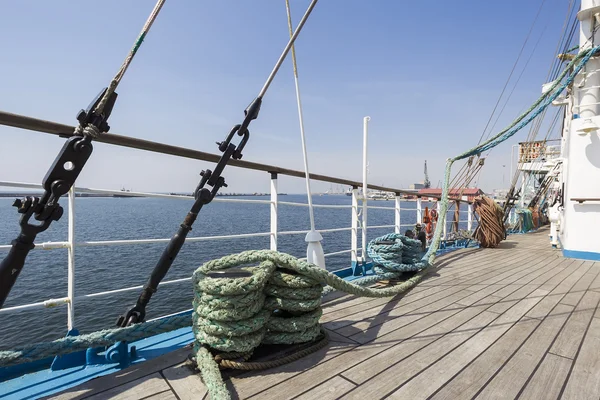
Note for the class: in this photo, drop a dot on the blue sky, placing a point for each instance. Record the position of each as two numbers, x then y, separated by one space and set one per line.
428 74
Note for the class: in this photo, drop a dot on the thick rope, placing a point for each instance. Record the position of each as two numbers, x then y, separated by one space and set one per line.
490 231
105 337
121 72
575 65
285 307
395 253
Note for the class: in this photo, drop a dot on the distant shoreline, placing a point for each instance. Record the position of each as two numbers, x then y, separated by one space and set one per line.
17 194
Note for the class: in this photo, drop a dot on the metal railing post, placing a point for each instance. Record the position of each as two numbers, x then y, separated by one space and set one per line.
419 211
354 231
71 262
397 213
274 198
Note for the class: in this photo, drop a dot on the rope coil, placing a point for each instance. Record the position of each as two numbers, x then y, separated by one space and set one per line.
394 253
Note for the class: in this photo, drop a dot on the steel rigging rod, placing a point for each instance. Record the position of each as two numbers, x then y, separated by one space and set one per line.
204 195
64 171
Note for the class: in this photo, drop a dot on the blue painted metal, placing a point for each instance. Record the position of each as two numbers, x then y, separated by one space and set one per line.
46 382
583 255
68 360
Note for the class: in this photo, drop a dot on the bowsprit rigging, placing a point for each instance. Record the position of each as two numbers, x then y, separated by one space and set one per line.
204 195
64 171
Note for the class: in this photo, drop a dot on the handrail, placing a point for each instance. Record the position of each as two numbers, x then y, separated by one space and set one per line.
65 300
581 200
55 128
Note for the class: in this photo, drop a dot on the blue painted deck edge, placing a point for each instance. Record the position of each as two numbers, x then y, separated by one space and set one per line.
583 255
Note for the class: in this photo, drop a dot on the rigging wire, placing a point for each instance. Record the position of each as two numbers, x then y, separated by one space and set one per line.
456 177
287 49
512 69
301 119
121 72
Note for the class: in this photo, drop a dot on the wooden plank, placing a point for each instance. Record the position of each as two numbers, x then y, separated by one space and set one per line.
141 388
548 380
543 307
578 271
472 378
185 383
502 306
334 388
376 331
495 263
584 380
336 337
596 283
425 384
373 328
384 380
376 365
126 375
253 383
350 328
568 341
514 374
576 292
307 379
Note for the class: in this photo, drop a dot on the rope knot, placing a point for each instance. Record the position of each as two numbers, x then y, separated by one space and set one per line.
89 130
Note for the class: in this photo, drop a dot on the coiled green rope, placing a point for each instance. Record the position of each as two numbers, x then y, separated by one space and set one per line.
280 303
395 253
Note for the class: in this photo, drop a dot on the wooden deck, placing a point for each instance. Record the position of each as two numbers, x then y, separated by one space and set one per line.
515 322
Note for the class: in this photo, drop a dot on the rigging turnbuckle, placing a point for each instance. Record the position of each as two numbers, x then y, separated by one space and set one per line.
202 196
58 181
229 150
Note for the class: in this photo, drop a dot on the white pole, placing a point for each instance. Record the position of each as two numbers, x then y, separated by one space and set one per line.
364 207
314 251
354 236
71 262
419 211
274 200
397 214
470 217
441 218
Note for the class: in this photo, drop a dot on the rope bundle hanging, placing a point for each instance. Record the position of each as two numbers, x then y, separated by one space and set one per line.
490 231
524 221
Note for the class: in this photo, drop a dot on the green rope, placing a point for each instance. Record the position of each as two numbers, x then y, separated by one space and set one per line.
285 307
561 83
105 337
395 253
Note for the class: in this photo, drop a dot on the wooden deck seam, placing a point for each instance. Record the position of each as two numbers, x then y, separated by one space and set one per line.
355 302
447 293
445 297
154 394
169 384
523 388
498 370
568 378
447 333
475 358
490 264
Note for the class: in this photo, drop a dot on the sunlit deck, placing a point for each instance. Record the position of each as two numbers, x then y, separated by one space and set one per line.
518 321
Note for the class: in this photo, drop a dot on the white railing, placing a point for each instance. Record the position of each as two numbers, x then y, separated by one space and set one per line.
274 233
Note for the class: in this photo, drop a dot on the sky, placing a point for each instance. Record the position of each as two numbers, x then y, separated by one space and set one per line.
428 73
